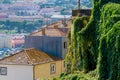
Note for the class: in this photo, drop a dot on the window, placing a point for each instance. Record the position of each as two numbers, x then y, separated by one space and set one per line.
65 45
3 70
52 68
64 64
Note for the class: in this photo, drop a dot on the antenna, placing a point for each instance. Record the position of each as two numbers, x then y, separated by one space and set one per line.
78 4
64 21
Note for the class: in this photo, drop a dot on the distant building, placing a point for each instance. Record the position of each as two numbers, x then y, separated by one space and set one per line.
5 41
52 1
20 11
23 18
4 7
24 9
51 39
39 1
56 18
3 15
47 5
56 46
18 40
83 12
48 12
31 64
17 1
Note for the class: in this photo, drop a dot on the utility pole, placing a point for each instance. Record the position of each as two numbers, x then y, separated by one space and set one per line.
78 4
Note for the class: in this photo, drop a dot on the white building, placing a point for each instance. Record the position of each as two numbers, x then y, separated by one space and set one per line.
30 64
16 72
5 41
24 0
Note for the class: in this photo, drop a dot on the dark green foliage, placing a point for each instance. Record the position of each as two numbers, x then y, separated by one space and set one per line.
77 62
72 77
102 59
7 1
78 76
97 44
63 74
74 59
109 54
92 33
18 26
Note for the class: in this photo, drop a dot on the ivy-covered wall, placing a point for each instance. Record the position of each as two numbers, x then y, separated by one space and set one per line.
95 45
74 58
109 49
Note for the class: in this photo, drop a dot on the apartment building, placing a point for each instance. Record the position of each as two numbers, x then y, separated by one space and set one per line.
5 41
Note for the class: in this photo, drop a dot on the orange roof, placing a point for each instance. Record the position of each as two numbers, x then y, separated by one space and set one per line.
29 57
50 30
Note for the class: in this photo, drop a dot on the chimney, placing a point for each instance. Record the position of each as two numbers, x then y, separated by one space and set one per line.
55 26
43 31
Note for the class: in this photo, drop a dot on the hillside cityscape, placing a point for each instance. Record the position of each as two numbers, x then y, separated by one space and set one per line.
59 39
22 17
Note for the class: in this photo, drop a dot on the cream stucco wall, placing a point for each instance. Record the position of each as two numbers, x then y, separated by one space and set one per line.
17 72
42 71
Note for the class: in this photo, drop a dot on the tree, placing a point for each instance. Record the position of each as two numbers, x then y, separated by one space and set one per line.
7 1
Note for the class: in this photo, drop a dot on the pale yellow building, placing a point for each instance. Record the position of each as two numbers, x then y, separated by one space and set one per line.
52 69
31 64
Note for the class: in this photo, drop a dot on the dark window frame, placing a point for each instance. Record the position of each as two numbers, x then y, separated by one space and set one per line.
4 69
64 64
65 45
52 68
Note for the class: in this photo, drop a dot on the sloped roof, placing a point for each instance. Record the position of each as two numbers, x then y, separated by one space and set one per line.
28 57
50 30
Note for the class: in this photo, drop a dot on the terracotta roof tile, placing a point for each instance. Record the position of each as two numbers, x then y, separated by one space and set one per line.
29 57
50 30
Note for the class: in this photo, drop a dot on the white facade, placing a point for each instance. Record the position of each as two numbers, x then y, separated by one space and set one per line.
17 72
5 41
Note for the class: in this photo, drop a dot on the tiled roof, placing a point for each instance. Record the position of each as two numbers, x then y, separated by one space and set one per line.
29 57
50 30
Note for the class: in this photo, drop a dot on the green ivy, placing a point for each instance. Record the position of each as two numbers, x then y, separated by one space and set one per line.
109 54
74 59
96 44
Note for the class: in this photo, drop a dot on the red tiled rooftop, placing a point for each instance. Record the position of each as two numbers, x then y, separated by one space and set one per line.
50 30
29 57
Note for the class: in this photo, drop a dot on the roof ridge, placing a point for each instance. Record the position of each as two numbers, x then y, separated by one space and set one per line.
31 57
61 32
28 56
11 55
